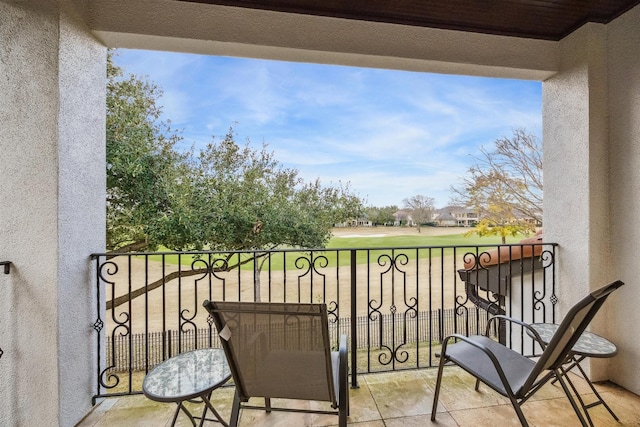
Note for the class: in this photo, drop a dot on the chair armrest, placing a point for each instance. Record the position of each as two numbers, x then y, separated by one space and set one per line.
525 325
343 376
342 349
485 350
343 362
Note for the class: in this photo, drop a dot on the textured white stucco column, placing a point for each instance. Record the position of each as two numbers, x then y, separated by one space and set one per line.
623 46
575 138
52 111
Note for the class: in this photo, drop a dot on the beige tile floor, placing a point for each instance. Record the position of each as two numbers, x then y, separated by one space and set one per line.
395 399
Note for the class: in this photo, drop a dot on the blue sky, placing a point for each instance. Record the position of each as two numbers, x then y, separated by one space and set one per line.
391 134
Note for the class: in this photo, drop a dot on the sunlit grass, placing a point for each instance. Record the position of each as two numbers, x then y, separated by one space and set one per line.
411 246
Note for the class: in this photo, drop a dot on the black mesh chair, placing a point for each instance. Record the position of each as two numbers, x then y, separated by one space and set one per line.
282 350
512 374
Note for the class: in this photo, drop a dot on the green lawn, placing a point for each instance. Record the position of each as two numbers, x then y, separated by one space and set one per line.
417 240
405 244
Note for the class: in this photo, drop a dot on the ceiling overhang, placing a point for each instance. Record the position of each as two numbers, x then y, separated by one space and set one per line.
537 19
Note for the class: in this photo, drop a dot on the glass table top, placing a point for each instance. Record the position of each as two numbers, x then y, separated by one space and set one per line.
589 344
187 375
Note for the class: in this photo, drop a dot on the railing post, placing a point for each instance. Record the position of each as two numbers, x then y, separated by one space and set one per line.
354 321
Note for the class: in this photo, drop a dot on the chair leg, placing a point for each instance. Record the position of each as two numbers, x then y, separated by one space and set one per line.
342 417
437 391
519 413
235 411
343 397
559 374
267 404
600 400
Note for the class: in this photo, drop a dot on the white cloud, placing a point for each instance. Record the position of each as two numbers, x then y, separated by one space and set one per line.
391 134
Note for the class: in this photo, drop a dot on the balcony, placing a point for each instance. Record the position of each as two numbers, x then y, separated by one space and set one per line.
405 300
396 399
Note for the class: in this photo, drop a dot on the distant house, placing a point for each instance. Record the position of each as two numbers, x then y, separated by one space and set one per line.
402 218
446 219
358 222
536 222
455 216
458 216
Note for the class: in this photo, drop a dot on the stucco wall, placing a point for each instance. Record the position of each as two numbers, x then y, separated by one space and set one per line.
52 212
591 116
624 135
576 199
81 210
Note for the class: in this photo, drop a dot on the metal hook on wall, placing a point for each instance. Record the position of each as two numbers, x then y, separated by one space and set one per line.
7 270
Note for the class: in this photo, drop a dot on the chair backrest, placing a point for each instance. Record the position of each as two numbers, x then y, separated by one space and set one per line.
278 350
569 331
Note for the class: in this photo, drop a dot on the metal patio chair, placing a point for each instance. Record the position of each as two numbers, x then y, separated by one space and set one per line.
512 374
282 350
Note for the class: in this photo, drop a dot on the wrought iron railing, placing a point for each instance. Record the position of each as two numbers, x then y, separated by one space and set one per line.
404 300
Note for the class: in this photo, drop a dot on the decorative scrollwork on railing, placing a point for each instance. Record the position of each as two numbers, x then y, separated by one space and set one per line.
548 258
385 261
186 319
310 265
200 265
121 323
477 260
303 263
332 311
389 355
186 322
393 351
218 265
108 381
108 268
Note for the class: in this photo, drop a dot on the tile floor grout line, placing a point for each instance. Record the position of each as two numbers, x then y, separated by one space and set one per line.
374 401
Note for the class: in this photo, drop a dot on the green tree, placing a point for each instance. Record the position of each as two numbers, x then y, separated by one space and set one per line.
242 198
381 215
226 197
142 164
505 187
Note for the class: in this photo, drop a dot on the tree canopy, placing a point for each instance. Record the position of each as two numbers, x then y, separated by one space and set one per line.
141 161
381 215
242 198
224 197
505 186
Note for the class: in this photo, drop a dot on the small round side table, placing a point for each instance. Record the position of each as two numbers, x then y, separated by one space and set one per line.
189 376
588 345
